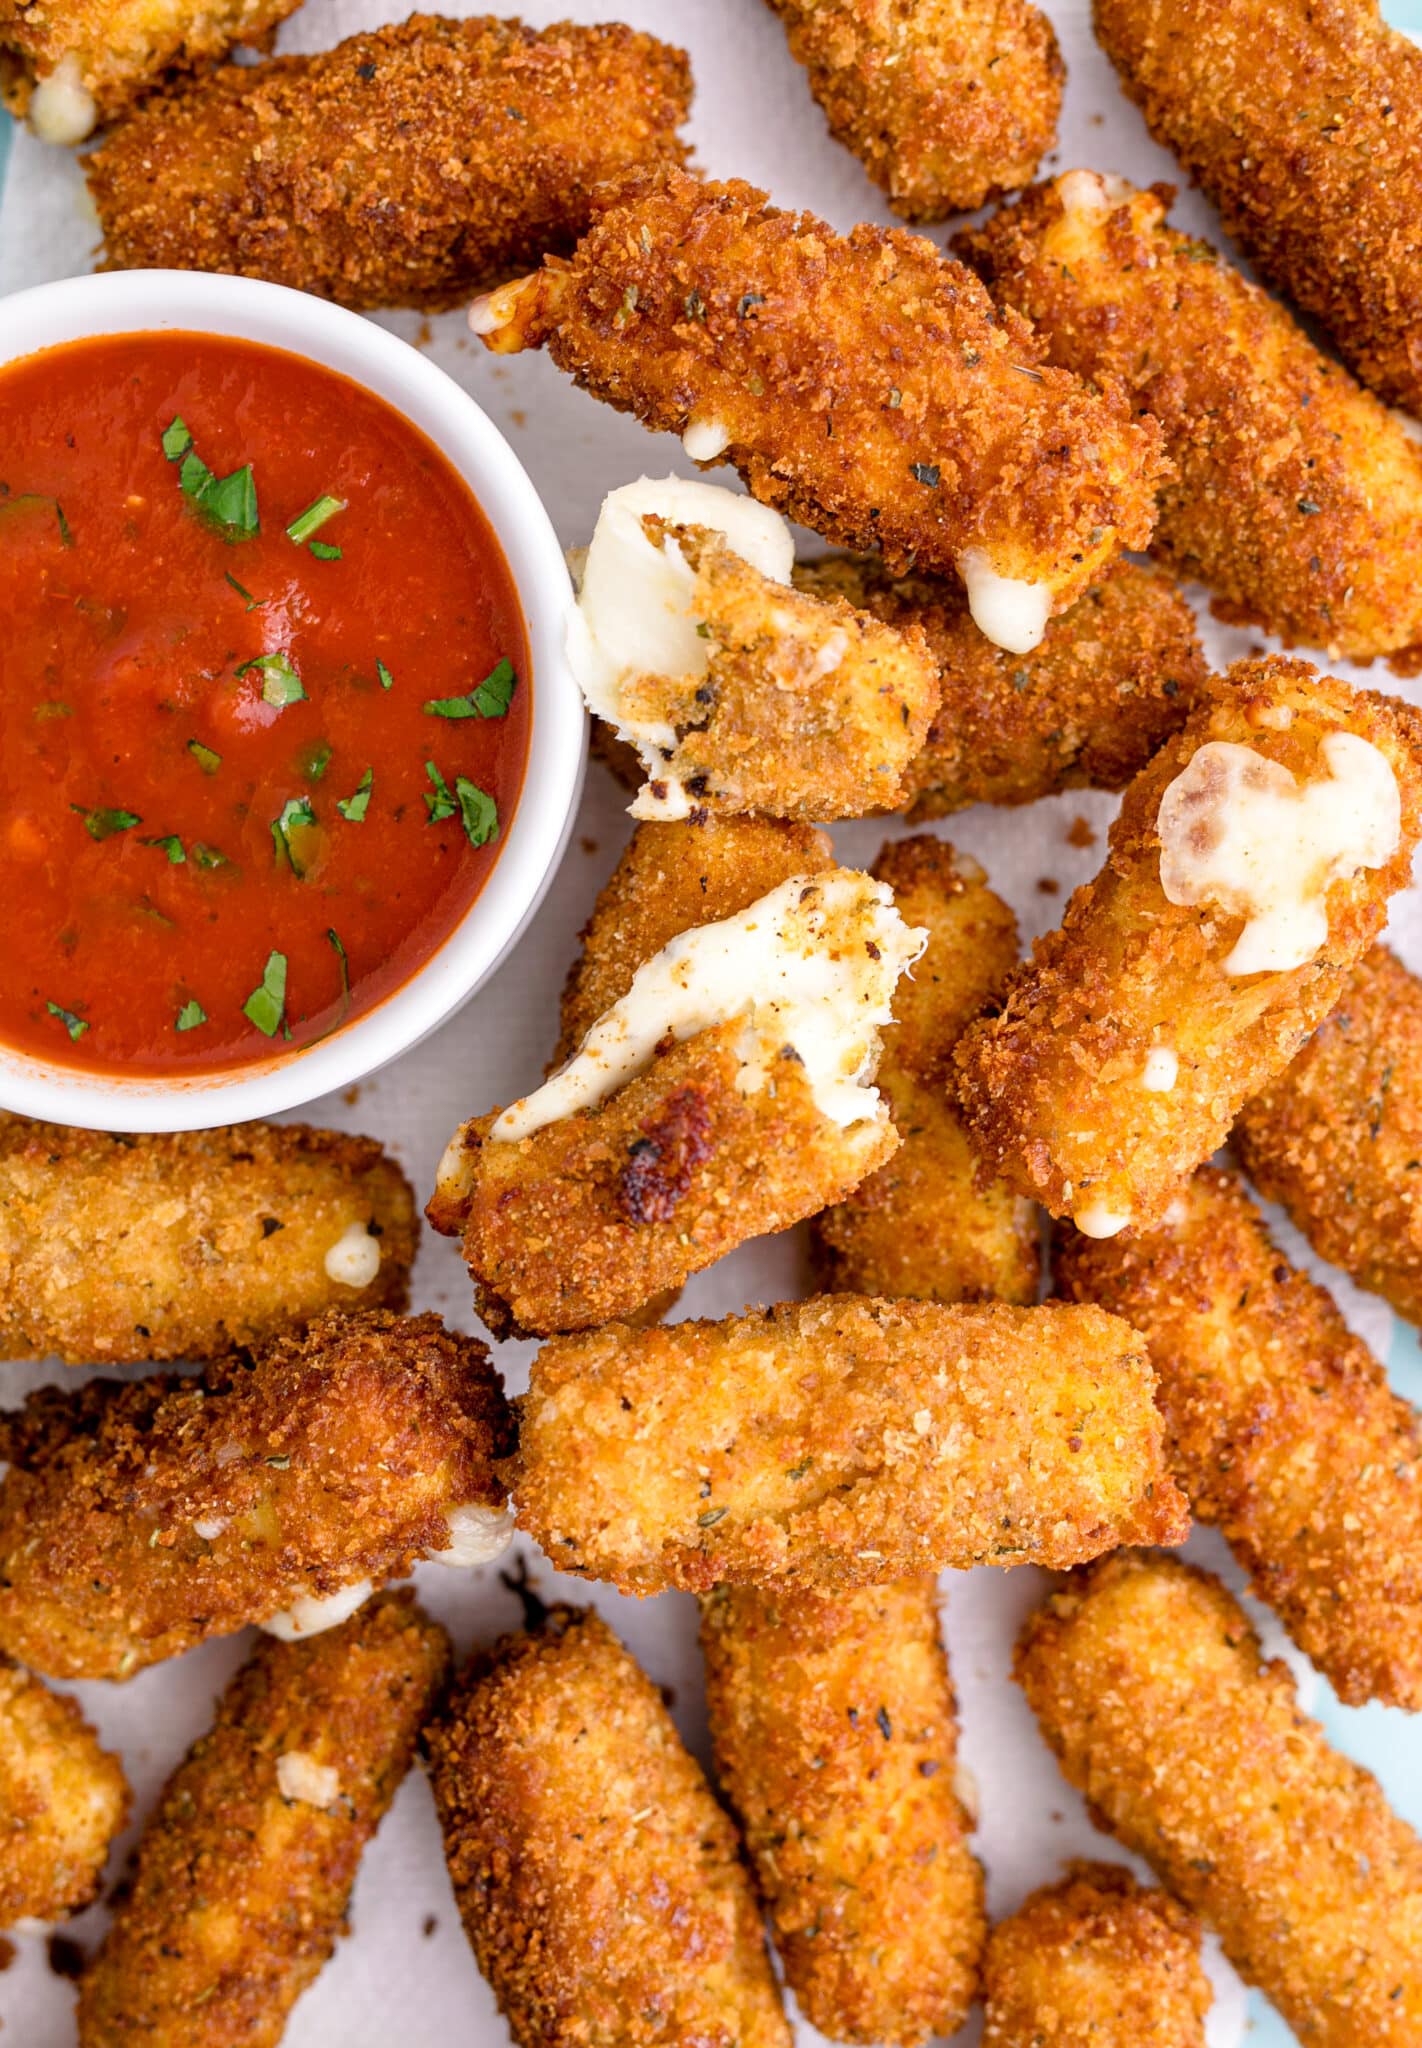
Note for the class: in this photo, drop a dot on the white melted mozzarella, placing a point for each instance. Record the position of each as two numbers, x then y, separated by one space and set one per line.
635 615
476 1536
705 439
311 1614
1011 612
354 1259
813 966
1161 1070
301 1778
1238 831
62 108
1097 1219
1087 195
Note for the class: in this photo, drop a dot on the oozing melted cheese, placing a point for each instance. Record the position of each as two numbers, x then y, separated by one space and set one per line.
1010 612
62 109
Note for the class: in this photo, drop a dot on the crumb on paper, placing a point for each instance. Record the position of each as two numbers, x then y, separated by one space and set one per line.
1080 832
1048 885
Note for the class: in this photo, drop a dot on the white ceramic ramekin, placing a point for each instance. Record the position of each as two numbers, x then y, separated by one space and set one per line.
129 302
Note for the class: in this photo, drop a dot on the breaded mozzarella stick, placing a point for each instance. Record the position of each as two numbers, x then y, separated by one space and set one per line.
191 1244
1282 1427
841 1442
245 1870
141 1517
835 1736
62 1801
920 1227
1147 1681
1297 497
862 384
600 1884
723 1097
1249 868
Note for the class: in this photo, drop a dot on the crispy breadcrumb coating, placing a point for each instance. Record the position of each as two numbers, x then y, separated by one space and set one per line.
600 1884
114 51
1148 1683
62 1801
864 384
245 1869
919 1227
670 876
1297 497
841 1442
1336 1139
1096 1961
1303 123
944 102
807 709
1114 677
141 1517
835 1736
135 1249
406 167
1282 1428
1059 1095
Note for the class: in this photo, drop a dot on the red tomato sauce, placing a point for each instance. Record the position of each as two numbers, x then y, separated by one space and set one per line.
213 741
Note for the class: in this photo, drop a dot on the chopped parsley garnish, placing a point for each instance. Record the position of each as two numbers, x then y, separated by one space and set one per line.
441 805
104 824
229 502
207 760
170 844
387 681
75 1026
925 473
281 685
324 552
353 808
190 1016
296 818
479 812
266 1004
66 536
253 604
489 699
315 760
314 517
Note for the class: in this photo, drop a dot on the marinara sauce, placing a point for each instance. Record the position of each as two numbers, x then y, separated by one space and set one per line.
264 702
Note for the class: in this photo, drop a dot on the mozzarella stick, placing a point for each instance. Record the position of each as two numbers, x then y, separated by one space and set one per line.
943 104
1303 123
600 1884
1282 1428
244 1872
405 167
842 1442
920 1227
1096 1961
68 67
1297 496
1114 677
62 1801
861 384
723 1097
1336 1138
191 1244
835 1736
738 693
142 1517
1149 1684
1248 870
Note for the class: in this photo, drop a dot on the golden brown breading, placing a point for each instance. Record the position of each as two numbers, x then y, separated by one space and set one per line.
600 1884
1114 677
142 1517
864 383
1303 122
807 709
1336 1139
588 1218
835 1736
62 1801
245 1869
1148 1683
841 1442
188 1244
944 102
919 1227
1297 497
112 51
669 877
1058 1094
1283 1429
1096 1961
407 167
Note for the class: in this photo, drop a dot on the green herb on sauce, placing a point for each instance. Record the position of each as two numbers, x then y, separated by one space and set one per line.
478 812
66 536
75 1026
387 681
177 440
324 552
266 1005
104 824
353 808
295 820
209 857
253 604
490 699
207 760
345 967
314 517
313 761
441 805
190 1016
172 845
281 685
228 502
